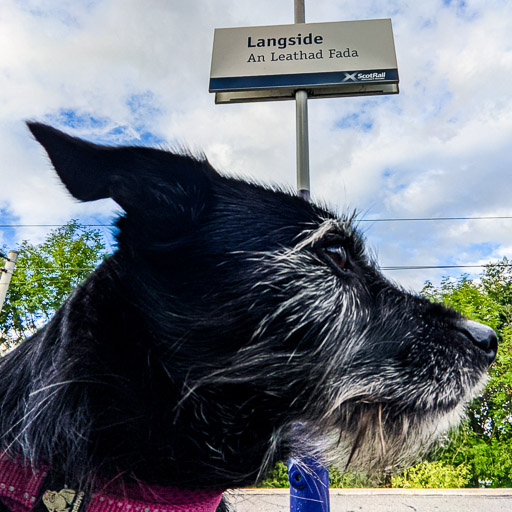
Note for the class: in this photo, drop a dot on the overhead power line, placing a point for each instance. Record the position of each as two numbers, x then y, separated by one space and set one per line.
59 269
414 219
385 268
386 219
426 267
57 278
54 225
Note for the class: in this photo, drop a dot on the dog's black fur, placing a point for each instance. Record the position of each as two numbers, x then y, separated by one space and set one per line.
234 326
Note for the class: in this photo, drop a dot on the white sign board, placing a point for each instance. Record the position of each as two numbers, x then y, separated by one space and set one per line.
326 59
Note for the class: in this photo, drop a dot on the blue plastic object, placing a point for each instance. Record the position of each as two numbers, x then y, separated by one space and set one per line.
309 486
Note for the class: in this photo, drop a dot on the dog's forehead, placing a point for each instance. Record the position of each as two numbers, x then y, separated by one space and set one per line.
276 206
249 217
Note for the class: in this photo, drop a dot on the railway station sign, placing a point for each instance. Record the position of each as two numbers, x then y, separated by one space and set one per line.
347 58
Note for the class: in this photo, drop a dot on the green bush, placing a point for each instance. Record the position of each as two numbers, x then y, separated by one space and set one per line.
346 480
432 475
278 478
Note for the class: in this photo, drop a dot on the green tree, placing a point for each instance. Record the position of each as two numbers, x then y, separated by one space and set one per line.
484 442
45 275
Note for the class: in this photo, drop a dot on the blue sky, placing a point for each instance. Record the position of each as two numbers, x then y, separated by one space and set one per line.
126 71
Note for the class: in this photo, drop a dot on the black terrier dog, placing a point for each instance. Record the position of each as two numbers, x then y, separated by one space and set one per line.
235 325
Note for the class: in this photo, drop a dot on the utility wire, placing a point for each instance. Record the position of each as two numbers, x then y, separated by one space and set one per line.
393 267
414 219
387 219
426 267
54 225
386 268
57 279
60 269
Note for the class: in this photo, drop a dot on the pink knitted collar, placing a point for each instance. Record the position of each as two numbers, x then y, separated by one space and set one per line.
21 487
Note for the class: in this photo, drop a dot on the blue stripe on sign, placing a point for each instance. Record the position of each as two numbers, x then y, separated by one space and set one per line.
304 80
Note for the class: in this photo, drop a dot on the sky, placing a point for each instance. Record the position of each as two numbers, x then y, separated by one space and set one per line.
137 72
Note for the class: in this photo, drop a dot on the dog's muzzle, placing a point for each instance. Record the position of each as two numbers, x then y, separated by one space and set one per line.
481 336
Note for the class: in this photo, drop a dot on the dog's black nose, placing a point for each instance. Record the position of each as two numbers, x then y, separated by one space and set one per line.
482 336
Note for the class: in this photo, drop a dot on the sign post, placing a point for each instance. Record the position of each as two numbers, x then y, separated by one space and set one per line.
301 61
308 490
301 105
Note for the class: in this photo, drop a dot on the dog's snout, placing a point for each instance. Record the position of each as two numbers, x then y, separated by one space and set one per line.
482 336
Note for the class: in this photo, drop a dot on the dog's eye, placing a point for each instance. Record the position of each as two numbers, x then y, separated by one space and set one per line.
337 254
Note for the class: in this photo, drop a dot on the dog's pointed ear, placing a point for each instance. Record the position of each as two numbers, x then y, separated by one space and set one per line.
139 179
76 161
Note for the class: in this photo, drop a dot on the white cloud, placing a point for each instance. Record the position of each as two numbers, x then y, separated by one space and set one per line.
129 70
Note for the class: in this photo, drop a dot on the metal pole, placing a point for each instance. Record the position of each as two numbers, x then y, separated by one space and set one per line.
309 481
5 275
300 11
303 187
301 103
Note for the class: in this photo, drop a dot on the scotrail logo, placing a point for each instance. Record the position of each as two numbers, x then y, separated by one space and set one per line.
364 77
